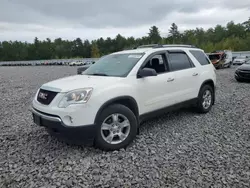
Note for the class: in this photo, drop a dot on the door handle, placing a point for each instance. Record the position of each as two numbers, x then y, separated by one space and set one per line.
170 79
195 74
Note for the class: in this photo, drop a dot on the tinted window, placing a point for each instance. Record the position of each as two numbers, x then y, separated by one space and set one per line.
179 61
158 63
200 56
160 57
114 64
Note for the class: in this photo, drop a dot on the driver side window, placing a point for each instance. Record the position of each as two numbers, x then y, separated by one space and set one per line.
158 63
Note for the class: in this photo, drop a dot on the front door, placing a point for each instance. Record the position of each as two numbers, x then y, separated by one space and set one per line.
156 92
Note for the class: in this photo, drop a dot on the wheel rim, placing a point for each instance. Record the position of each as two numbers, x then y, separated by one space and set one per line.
115 128
207 99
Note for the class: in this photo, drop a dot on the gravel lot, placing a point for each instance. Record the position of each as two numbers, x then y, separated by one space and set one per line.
180 149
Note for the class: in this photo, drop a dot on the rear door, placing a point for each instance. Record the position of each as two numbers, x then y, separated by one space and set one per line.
206 68
186 75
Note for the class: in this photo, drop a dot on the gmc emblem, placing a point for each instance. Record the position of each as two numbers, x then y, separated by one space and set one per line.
43 95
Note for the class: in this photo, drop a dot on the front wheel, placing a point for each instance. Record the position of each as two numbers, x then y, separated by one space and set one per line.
117 128
205 99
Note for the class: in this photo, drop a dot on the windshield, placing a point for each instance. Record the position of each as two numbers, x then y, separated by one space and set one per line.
213 57
248 62
118 65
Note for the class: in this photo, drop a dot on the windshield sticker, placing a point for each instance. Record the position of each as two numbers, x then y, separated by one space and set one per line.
135 56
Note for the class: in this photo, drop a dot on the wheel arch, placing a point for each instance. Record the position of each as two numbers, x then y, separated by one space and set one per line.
127 101
211 83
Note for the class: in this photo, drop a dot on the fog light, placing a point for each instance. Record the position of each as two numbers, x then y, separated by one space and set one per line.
68 120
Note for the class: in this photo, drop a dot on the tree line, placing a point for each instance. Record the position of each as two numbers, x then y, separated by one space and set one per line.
233 36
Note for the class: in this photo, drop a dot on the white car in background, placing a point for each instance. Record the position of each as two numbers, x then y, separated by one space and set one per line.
76 63
240 60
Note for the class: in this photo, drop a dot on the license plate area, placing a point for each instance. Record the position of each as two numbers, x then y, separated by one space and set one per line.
245 74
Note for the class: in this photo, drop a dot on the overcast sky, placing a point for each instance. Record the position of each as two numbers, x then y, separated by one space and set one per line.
90 19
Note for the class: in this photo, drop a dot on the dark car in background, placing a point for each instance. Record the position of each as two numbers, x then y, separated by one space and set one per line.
242 73
84 67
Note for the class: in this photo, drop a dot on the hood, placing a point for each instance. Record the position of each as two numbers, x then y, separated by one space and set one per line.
79 81
244 67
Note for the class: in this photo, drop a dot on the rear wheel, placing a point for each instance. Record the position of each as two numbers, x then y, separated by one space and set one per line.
117 128
205 99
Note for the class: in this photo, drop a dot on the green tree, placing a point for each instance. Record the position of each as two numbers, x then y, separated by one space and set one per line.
232 36
77 48
173 32
219 33
246 24
94 50
235 30
153 35
87 49
120 42
59 48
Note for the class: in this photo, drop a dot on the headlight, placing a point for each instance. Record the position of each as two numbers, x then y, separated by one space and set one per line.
75 97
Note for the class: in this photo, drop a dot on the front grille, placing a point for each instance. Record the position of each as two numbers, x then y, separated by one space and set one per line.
245 74
45 97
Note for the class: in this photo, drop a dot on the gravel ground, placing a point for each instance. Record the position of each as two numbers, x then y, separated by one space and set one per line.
180 149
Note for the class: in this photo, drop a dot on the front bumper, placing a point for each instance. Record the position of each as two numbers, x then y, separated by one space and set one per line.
82 114
238 62
80 134
242 75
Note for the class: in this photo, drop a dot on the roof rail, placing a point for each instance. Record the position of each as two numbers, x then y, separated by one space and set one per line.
165 45
150 46
179 45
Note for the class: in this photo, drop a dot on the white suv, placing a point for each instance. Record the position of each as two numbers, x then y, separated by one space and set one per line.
105 105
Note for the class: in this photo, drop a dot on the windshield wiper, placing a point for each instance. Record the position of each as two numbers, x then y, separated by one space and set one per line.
98 74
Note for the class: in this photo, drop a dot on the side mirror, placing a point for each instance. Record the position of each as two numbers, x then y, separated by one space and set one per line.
146 72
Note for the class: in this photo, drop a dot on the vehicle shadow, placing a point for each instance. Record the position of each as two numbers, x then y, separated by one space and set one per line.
165 117
48 141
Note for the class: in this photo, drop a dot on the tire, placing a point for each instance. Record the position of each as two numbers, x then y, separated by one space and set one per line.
201 108
107 116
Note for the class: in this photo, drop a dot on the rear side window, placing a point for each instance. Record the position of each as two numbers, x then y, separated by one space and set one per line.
200 56
179 61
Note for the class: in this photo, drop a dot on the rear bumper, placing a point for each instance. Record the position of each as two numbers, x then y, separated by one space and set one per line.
78 134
